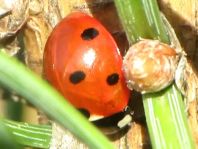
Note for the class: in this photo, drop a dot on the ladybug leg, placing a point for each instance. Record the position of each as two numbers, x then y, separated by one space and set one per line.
109 125
127 119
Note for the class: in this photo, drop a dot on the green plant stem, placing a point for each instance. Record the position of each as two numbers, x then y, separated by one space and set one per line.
141 19
165 113
7 140
15 76
38 136
167 120
13 110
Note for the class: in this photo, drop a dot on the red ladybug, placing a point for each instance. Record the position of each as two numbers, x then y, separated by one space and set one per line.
82 61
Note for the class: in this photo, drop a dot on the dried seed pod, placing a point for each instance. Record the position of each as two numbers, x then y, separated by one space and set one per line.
13 14
150 65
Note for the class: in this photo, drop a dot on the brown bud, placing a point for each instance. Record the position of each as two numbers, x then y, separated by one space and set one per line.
149 66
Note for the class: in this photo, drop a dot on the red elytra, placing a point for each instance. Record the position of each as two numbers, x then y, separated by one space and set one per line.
82 61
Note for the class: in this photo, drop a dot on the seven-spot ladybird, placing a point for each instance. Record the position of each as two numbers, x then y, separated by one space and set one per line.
83 62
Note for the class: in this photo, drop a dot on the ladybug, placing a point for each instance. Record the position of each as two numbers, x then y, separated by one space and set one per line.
82 61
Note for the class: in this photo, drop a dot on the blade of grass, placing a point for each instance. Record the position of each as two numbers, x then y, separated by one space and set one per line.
165 113
167 119
38 136
13 110
141 20
7 140
15 76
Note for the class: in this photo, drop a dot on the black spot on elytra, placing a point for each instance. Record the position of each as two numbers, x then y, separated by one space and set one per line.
77 76
89 34
112 79
84 112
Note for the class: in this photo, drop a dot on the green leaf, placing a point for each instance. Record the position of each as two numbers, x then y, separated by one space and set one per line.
15 76
7 141
38 136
